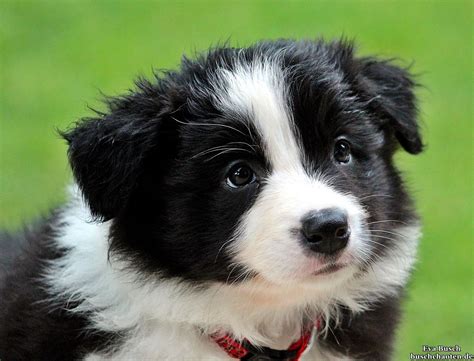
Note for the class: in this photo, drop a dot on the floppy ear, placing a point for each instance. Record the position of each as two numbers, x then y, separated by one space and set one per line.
390 91
107 153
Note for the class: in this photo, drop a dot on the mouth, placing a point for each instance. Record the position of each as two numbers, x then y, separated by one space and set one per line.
330 268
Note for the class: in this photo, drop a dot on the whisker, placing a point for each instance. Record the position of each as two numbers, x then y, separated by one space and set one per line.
371 254
207 151
211 125
227 151
372 241
388 221
368 258
375 195
389 232
223 147
389 238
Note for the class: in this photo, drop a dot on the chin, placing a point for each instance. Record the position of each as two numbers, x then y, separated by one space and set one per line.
248 198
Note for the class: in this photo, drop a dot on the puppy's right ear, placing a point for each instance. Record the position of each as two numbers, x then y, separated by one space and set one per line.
107 153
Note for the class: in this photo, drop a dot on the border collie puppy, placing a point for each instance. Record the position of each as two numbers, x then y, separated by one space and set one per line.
245 206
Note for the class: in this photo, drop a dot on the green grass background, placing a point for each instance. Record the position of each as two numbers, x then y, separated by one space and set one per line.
57 55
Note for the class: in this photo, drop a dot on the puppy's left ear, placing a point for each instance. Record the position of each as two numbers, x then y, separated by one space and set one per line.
390 95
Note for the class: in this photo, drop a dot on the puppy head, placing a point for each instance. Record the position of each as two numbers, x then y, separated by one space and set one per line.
271 162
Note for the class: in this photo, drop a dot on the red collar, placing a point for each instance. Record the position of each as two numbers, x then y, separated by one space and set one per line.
244 350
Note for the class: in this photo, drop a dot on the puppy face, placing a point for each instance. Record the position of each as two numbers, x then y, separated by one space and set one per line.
272 162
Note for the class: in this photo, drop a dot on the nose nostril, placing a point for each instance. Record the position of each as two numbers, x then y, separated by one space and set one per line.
342 232
315 238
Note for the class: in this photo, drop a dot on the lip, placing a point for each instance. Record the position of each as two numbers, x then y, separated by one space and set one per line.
330 268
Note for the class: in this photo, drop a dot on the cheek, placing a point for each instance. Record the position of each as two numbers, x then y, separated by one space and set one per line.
268 240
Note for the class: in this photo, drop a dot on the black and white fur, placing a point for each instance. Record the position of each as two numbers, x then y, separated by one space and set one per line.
155 250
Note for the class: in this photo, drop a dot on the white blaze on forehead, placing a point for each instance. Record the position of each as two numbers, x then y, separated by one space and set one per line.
257 91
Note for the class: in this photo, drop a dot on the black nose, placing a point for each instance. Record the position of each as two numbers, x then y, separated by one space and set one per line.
326 231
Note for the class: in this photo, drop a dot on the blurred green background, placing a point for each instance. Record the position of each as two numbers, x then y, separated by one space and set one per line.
56 57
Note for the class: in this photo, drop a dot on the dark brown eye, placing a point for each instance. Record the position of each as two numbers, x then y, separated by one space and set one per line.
240 175
342 151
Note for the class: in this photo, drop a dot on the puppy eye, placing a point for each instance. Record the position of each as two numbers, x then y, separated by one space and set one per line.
342 151
240 175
